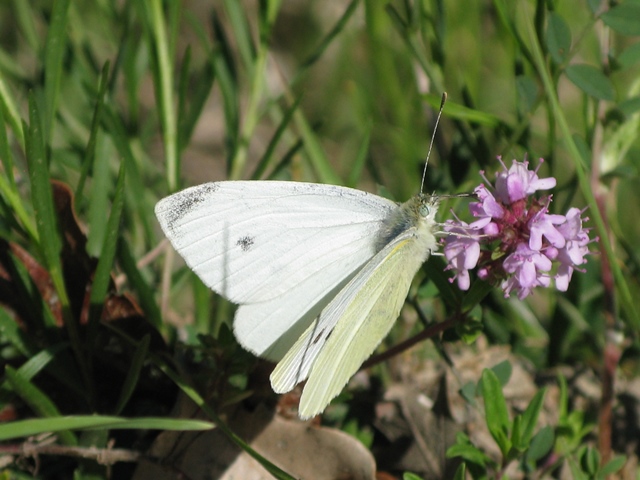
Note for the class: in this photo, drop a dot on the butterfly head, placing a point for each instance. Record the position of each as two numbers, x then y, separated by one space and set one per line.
417 215
427 206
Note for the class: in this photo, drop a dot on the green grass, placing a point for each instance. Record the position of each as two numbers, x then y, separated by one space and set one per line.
127 102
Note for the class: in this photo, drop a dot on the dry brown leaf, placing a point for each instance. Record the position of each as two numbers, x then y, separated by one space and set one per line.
300 449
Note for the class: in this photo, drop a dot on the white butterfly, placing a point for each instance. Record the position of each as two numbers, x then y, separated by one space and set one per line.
320 272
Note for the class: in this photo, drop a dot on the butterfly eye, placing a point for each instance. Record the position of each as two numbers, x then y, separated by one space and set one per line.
424 210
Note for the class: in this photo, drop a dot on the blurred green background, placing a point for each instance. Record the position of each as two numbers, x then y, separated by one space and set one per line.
168 95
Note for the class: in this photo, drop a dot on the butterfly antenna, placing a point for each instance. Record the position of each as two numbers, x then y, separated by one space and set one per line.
433 136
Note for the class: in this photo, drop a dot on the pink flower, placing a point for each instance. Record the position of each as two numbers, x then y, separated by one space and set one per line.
542 224
515 242
462 252
528 269
574 250
485 211
518 182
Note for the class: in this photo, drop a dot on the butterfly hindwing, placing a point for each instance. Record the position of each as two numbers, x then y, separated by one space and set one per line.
353 324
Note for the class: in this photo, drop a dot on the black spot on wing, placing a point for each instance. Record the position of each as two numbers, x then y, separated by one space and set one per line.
245 243
186 200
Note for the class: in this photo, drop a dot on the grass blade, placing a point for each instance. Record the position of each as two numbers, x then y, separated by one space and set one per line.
163 80
26 428
133 374
102 276
53 54
90 151
37 400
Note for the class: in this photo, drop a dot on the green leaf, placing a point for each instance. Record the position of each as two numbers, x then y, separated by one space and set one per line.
53 56
478 291
315 153
591 81
267 156
629 56
516 437
590 461
461 472
410 476
41 194
468 392
594 6
26 428
113 124
328 38
39 361
11 112
360 159
11 332
133 375
583 148
503 371
46 221
237 17
102 276
202 307
460 112
495 406
145 293
271 11
99 195
629 107
6 157
164 84
63 367
471 328
90 151
576 471
612 466
224 71
531 414
558 38
540 445
469 453
8 188
26 20
434 269
37 400
527 89
28 294
189 117
624 18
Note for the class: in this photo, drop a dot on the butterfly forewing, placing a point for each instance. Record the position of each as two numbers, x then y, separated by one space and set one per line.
273 244
255 325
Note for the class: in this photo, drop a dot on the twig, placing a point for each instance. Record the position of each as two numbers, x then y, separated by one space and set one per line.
103 456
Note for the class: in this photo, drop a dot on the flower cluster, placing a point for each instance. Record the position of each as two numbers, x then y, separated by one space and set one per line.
515 241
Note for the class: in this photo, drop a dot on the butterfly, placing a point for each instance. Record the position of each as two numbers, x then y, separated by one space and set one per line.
319 272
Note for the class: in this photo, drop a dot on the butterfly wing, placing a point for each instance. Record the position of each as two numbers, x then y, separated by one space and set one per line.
350 328
258 324
278 249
